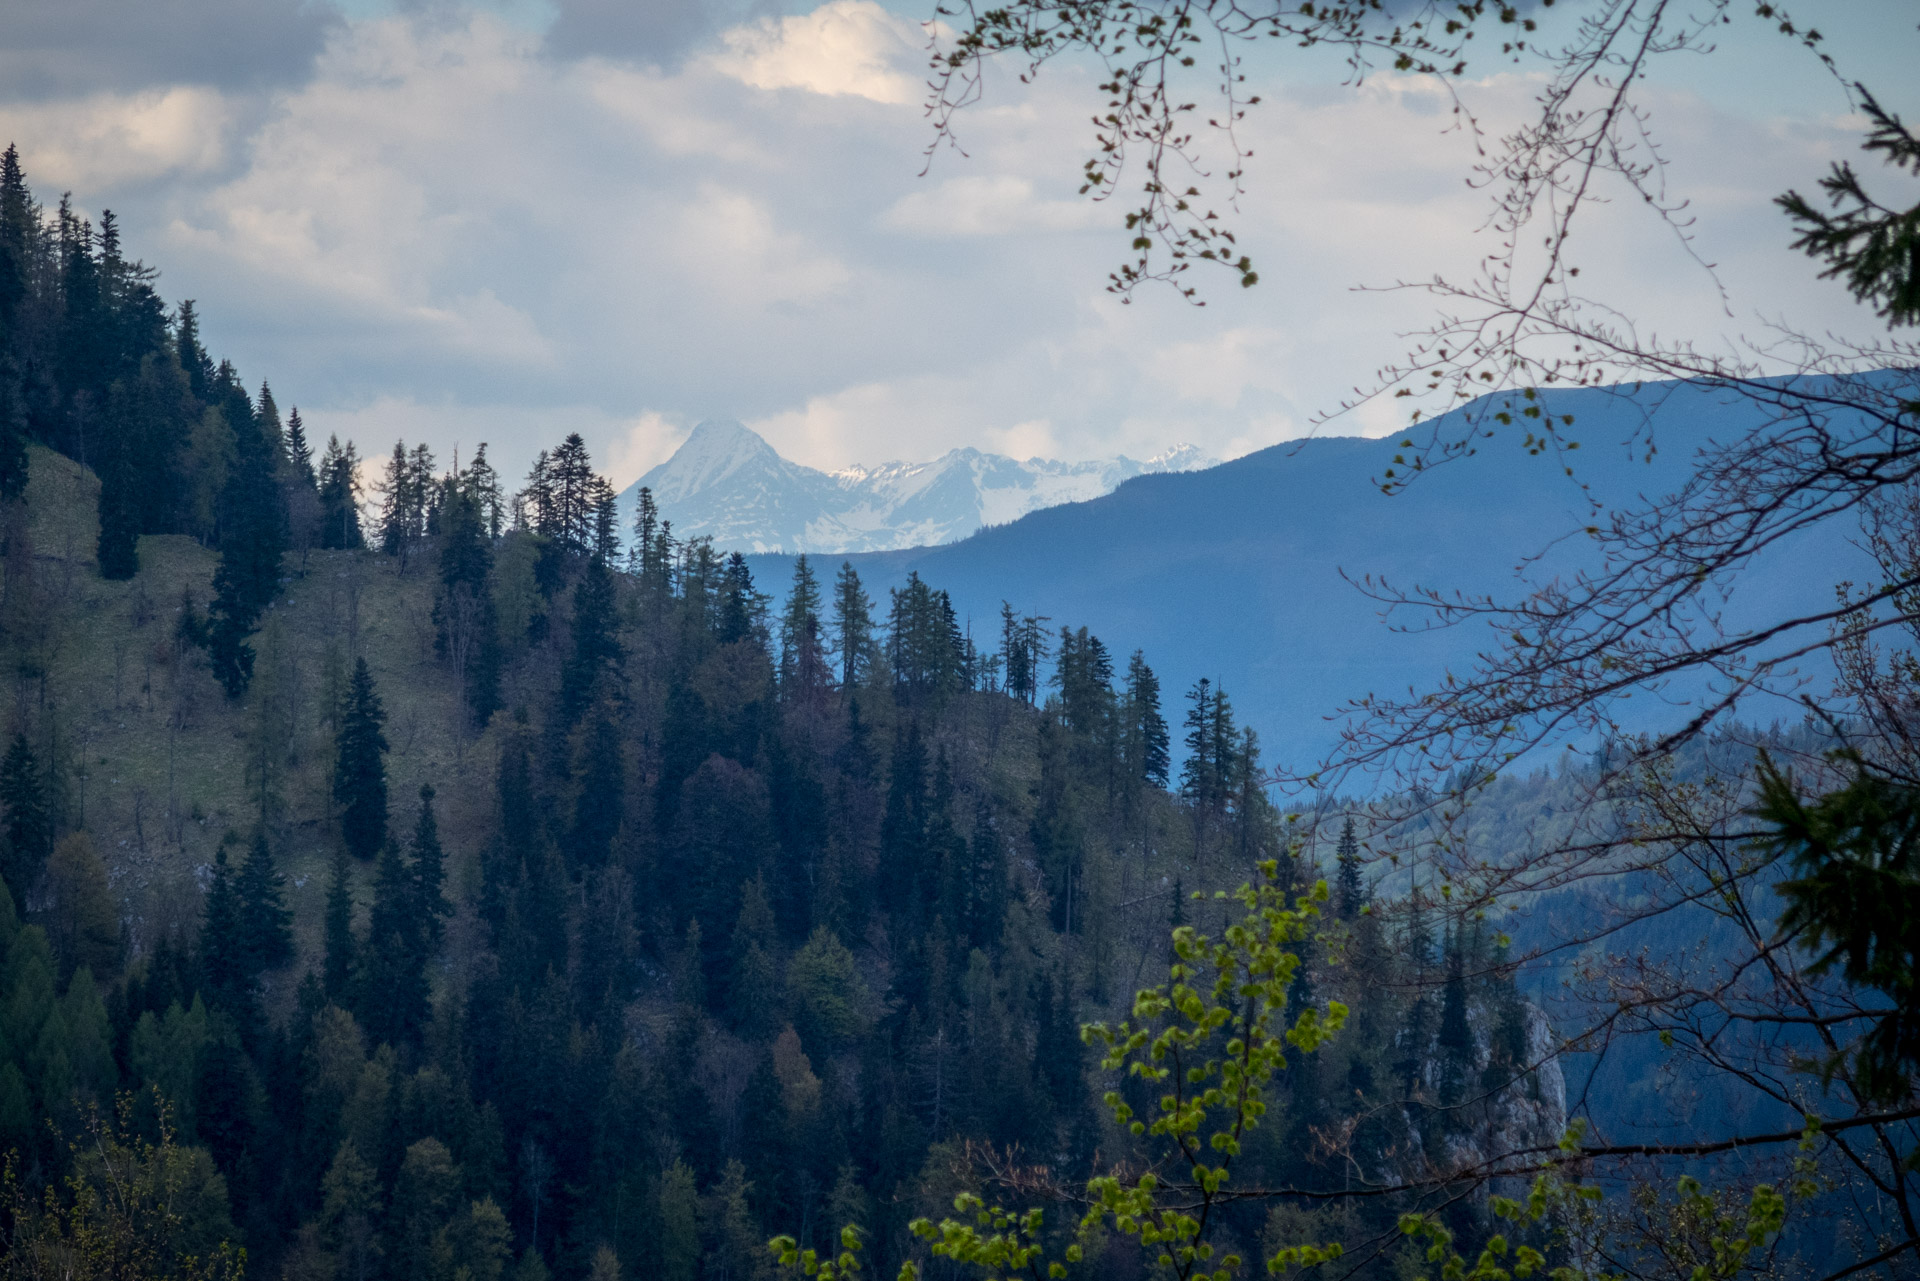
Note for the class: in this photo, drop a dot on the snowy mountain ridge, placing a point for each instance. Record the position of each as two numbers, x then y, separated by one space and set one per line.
727 483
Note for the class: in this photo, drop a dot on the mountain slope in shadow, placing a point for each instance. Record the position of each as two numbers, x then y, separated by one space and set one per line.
1236 572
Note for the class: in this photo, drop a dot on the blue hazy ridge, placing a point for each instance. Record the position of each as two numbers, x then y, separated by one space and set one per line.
1234 572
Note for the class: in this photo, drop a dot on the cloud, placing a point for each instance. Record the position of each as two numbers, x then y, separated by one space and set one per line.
652 32
454 228
65 48
987 205
844 47
104 141
649 441
624 447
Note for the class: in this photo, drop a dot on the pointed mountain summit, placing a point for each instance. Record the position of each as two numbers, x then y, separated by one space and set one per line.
716 451
727 483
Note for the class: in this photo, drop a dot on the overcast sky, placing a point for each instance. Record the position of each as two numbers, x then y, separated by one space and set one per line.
504 222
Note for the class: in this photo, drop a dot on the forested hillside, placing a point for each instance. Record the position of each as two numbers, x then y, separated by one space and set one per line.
462 886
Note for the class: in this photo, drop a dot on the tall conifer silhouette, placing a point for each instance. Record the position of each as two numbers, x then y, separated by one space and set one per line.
360 768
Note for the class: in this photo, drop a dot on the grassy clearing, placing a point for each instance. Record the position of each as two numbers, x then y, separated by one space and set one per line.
159 764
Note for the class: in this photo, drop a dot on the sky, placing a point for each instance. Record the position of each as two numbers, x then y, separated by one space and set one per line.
502 222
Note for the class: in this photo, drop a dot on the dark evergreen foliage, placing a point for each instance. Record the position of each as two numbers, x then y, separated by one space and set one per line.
360 767
266 925
339 951
28 830
743 916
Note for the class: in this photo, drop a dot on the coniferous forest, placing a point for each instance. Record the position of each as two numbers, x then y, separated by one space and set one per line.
450 881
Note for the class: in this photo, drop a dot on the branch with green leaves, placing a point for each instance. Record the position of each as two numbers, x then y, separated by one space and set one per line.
1210 1040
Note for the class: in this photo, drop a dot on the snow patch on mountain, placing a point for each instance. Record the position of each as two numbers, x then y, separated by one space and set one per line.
727 483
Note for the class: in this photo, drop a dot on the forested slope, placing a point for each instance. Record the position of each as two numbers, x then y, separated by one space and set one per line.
490 888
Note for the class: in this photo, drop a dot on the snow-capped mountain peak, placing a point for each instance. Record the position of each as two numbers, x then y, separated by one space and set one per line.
716 450
727 483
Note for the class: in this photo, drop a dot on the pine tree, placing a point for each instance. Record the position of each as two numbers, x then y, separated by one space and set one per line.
360 770
601 784
266 926
803 670
984 910
394 996
339 963
192 356
28 831
740 605
597 653
466 624
340 496
1146 742
1350 894
299 452
651 556
1199 779
267 415
81 915
606 522
253 536
903 829
19 224
397 512
482 487
226 972
429 877
13 423
852 627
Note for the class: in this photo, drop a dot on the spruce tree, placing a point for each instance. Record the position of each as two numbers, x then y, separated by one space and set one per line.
339 963
481 485
429 878
28 830
266 923
596 647
1147 741
13 424
1350 894
601 786
300 452
226 971
19 225
739 603
903 829
253 536
340 496
360 768
606 522
397 513
1199 778
852 627
984 910
394 1003
192 356
802 660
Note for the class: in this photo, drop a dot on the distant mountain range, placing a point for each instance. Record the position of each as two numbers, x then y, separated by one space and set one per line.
1235 572
727 483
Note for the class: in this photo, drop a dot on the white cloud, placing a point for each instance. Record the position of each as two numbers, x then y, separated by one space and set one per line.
451 233
1221 369
649 441
744 250
986 205
844 47
106 141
